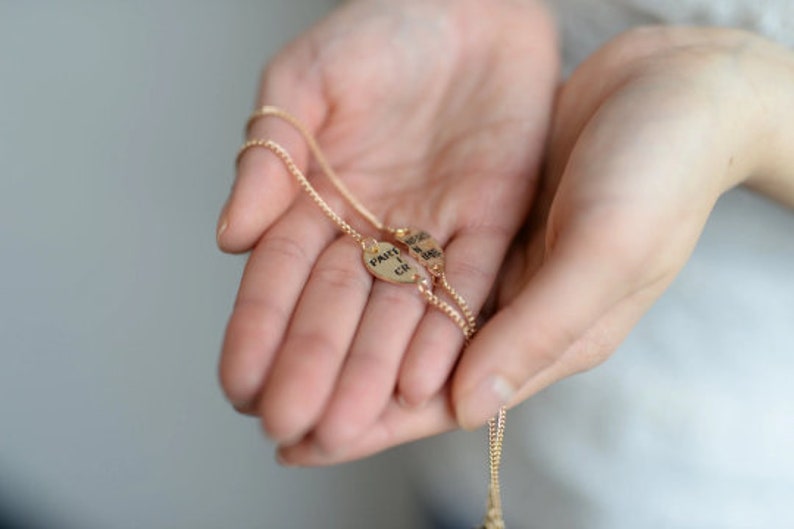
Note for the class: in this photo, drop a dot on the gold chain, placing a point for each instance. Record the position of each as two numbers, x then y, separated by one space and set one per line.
464 319
471 321
368 244
282 154
437 270
322 161
496 434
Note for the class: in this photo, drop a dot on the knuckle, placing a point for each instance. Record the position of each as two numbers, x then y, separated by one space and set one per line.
341 278
474 272
369 366
286 248
417 387
398 296
253 330
312 345
542 344
256 311
281 423
278 68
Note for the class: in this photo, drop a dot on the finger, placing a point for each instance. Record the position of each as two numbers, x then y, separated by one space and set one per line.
609 235
596 343
366 384
560 302
271 285
472 263
263 189
322 328
396 426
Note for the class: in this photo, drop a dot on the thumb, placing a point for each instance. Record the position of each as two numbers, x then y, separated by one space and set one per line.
263 188
613 243
578 283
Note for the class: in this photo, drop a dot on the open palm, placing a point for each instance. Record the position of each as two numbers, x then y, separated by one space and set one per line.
435 116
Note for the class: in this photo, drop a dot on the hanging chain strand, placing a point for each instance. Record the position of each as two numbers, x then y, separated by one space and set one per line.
366 243
496 433
462 322
471 320
322 161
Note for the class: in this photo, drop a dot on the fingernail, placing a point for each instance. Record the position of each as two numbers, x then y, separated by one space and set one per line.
404 403
481 403
322 451
286 441
223 222
242 407
222 225
281 460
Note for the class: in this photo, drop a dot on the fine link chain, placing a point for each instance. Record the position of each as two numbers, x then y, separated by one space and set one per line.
467 322
496 434
471 320
366 243
340 186
443 306
321 160
282 154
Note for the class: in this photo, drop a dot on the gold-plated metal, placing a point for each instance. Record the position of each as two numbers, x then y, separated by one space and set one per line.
496 434
422 247
420 244
368 245
433 261
282 154
471 320
425 288
383 261
425 249
340 186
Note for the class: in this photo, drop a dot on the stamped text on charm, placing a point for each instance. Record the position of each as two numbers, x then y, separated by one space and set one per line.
423 247
384 262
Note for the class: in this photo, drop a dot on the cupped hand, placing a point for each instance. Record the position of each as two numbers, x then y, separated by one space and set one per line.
648 133
434 113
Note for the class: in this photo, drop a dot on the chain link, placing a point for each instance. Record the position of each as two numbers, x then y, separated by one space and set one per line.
282 154
471 321
322 161
496 434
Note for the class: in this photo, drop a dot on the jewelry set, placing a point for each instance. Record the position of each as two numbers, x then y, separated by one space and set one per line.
383 259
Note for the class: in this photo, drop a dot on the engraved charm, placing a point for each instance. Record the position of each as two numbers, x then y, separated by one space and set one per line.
424 248
384 262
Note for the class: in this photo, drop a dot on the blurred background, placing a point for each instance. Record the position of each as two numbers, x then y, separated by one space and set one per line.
118 125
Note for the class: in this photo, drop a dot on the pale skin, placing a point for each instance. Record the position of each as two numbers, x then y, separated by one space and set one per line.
443 123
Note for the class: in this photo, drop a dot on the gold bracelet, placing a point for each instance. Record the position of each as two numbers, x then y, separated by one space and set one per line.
383 260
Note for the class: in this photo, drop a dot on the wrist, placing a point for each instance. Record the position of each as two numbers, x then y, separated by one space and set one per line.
769 86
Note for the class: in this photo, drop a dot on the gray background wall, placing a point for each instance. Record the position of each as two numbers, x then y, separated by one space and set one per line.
118 124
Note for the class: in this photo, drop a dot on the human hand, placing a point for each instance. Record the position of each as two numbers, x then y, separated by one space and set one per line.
648 133
434 113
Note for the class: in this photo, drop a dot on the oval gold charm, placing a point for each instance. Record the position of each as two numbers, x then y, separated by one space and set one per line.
424 248
384 262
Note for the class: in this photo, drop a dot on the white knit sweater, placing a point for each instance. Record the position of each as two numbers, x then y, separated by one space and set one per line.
586 24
